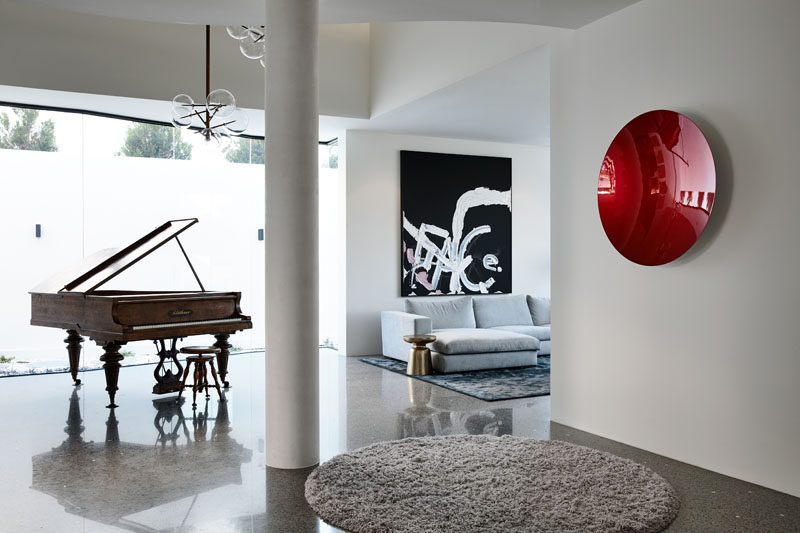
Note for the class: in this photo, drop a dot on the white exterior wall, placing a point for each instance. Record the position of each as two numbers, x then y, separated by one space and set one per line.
104 202
373 223
696 360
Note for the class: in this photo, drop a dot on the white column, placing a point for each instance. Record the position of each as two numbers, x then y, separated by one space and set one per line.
292 358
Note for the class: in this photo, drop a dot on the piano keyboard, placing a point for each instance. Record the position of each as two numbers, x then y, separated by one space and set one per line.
181 324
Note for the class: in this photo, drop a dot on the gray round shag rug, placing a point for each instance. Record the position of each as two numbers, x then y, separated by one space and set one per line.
470 483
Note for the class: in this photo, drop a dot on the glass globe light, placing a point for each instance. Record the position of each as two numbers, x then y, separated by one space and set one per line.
182 110
238 32
251 49
221 103
238 122
256 33
182 100
182 116
223 139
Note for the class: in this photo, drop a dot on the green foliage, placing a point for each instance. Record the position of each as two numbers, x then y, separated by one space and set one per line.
328 343
332 161
24 134
246 151
127 353
152 140
4 359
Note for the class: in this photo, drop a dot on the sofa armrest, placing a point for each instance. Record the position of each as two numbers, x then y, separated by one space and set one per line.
395 324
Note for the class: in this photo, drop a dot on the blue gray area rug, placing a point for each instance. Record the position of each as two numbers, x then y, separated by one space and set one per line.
489 385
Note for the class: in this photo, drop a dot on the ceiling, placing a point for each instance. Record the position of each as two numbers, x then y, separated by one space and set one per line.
506 103
560 13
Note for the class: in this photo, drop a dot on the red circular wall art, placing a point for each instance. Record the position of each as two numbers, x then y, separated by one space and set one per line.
656 187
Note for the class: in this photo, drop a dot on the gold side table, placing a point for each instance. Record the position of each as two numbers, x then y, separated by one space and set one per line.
419 357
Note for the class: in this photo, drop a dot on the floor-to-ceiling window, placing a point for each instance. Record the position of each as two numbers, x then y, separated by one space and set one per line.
330 245
74 183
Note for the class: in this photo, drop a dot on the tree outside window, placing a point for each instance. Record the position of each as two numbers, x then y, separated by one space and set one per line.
246 151
152 140
24 133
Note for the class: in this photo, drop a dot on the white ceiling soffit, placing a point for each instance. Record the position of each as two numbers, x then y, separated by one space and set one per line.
560 13
506 103
117 106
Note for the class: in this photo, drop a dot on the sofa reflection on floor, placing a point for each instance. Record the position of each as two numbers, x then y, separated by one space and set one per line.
477 333
435 412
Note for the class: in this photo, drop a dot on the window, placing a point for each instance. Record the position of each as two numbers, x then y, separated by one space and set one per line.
76 183
95 182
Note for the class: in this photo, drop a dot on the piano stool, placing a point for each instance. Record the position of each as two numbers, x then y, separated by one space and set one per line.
198 356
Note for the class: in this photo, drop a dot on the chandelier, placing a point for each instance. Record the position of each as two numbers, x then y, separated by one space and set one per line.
218 117
252 41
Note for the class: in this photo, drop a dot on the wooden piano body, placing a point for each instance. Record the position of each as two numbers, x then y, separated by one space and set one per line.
73 301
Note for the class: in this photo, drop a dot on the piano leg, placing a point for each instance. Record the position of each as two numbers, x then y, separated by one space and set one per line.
111 359
166 379
74 341
222 357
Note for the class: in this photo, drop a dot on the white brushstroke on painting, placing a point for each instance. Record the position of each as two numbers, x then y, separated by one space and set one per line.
490 262
452 257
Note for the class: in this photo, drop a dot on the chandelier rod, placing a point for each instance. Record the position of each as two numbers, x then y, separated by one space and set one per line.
208 59
218 104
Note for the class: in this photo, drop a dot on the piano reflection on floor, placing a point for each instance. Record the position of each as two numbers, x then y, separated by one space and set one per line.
108 481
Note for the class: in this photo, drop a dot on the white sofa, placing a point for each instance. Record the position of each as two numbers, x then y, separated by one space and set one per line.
477 333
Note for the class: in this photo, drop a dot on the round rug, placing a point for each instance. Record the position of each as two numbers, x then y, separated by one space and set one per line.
469 483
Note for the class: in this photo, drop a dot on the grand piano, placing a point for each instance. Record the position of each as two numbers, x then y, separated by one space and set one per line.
72 300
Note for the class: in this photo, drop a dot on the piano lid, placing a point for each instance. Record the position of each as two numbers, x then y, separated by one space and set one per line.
104 265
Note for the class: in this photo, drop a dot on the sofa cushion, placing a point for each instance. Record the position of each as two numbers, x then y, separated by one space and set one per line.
507 310
540 332
444 313
475 340
481 361
540 310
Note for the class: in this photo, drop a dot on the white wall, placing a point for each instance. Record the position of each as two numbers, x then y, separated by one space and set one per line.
344 71
696 360
373 216
49 49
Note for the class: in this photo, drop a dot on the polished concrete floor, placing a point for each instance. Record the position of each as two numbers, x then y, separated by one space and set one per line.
69 464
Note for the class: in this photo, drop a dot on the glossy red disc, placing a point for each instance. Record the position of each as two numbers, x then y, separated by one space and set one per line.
656 187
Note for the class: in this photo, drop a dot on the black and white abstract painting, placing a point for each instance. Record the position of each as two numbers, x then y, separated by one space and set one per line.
455 225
